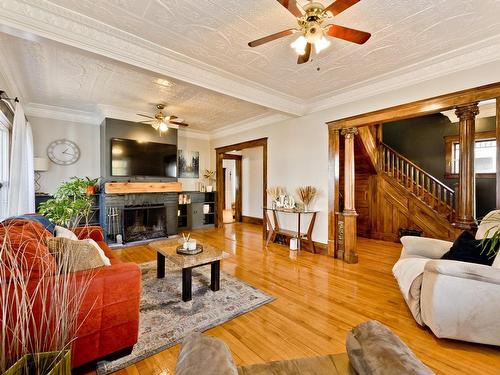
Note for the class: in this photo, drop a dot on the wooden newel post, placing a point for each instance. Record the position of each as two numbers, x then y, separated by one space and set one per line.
466 203
349 213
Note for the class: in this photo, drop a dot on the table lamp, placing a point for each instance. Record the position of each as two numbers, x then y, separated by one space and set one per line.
40 165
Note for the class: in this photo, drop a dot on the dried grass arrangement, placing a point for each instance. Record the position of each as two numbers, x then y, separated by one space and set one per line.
275 192
39 308
306 195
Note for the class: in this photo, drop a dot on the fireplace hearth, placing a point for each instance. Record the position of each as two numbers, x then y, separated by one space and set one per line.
144 222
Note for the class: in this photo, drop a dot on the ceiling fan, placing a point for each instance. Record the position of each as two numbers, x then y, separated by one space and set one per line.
163 122
310 18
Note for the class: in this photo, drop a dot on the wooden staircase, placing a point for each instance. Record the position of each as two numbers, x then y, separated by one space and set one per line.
418 182
392 193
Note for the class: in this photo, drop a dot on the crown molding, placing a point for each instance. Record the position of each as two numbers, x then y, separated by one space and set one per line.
50 21
193 134
467 57
249 124
62 113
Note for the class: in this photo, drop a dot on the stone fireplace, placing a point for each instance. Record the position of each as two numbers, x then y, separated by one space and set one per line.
144 222
139 216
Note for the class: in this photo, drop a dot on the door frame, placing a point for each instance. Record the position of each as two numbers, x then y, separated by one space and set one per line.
220 152
238 182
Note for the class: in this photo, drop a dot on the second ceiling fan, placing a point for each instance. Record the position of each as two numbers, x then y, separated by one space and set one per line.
161 121
310 19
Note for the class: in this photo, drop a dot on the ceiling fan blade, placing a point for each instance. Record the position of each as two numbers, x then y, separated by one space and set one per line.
140 114
351 35
146 122
271 37
305 57
292 7
178 123
340 5
172 117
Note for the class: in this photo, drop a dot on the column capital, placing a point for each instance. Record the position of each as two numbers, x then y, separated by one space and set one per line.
349 132
467 112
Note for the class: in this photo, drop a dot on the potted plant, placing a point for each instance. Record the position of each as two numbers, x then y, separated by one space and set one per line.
91 185
210 176
71 203
39 309
491 240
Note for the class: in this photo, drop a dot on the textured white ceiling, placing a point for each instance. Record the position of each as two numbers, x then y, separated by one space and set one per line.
216 32
58 75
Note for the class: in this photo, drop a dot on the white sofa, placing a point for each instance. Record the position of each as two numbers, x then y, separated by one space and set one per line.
456 300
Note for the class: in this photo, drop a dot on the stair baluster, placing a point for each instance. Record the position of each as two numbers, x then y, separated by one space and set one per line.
424 186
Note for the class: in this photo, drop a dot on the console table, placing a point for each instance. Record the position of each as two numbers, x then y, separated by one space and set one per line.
275 229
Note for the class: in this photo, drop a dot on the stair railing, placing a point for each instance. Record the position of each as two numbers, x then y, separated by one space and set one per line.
423 185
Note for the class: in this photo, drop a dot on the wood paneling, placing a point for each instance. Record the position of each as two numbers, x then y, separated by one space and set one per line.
142 187
394 207
420 108
318 300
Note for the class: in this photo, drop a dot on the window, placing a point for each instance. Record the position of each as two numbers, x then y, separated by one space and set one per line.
485 159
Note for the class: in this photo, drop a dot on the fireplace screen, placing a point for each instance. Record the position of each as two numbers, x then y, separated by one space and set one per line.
144 223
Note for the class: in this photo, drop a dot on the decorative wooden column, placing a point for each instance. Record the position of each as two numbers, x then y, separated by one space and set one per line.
349 213
498 152
466 204
334 189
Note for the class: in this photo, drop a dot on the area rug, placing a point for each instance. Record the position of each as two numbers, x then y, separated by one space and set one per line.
165 320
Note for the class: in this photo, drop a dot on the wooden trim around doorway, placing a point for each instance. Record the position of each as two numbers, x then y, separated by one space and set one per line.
221 152
419 108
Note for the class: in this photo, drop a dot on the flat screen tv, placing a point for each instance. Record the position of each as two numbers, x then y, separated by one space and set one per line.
148 159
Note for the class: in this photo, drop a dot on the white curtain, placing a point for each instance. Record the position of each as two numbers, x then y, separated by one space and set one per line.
21 196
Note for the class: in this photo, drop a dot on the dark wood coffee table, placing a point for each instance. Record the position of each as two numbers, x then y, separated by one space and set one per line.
167 249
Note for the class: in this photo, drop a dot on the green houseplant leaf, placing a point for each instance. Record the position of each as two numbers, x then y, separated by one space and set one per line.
70 205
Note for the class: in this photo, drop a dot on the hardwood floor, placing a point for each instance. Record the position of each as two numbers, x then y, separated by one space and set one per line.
318 299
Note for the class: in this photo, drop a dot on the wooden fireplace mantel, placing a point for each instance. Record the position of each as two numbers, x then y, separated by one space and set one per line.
142 187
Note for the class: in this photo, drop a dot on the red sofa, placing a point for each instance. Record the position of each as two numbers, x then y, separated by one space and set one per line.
110 309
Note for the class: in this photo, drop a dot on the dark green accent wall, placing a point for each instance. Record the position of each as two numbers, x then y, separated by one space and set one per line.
421 140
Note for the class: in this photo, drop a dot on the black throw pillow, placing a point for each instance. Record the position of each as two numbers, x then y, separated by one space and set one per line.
467 249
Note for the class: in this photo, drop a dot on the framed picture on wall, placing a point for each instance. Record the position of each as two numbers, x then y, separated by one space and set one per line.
188 164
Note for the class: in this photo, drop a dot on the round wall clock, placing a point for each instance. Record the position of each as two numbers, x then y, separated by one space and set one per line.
63 152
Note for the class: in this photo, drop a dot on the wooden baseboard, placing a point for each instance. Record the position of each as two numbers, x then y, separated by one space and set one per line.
321 248
251 220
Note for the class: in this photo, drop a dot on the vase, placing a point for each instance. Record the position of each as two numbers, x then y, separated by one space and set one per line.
210 188
54 363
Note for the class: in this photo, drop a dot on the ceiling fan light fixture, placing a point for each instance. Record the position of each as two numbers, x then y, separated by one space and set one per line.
321 44
163 128
299 45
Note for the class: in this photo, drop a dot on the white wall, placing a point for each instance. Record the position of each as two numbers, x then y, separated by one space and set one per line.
298 147
229 190
251 182
86 136
187 143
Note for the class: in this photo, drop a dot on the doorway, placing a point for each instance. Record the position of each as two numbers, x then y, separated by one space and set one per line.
221 155
231 196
